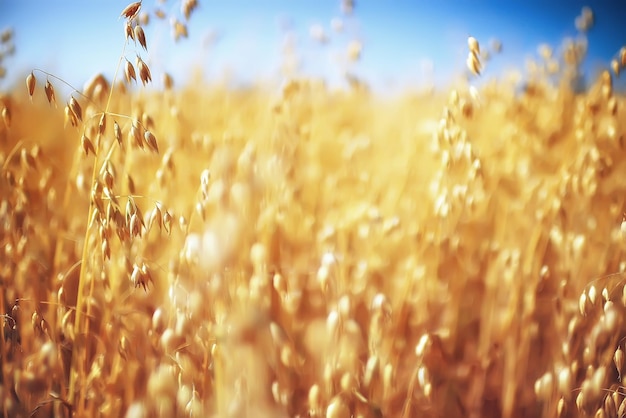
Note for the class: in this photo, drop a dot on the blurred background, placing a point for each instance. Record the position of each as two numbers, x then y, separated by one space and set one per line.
392 46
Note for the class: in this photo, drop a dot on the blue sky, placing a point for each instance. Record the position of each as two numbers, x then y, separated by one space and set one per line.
401 39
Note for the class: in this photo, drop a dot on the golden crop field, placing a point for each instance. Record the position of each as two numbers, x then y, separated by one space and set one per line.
313 252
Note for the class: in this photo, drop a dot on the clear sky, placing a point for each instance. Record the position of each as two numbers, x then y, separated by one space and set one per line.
405 43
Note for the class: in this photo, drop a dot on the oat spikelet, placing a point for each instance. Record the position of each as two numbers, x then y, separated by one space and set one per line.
621 411
135 226
130 11
473 63
135 134
473 45
582 304
167 222
473 60
117 132
106 250
31 81
6 116
76 109
128 31
141 37
102 125
560 407
70 117
618 359
156 217
615 67
151 141
187 7
87 145
622 56
50 93
129 72
144 71
179 30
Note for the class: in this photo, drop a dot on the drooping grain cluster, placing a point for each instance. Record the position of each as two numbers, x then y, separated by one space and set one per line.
203 251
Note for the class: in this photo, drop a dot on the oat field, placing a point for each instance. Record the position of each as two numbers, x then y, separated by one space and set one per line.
302 251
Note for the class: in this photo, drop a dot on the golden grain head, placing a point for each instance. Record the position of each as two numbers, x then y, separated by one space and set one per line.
131 11
6 116
167 222
129 72
50 93
144 71
102 124
592 293
135 134
616 67
179 29
151 141
70 116
473 63
188 7
31 81
140 36
618 360
76 109
473 46
129 33
117 132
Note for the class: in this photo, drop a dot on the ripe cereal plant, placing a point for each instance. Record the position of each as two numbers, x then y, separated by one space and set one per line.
280 256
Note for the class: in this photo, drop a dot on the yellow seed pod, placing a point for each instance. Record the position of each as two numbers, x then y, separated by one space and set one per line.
30 84
579 402
618 359
140 36
609 406
315 398
337 408
76 109
621 411
50 93
560 407
472 43
6 116
131 11
615 66
593 294
564 380
473 63
582 304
